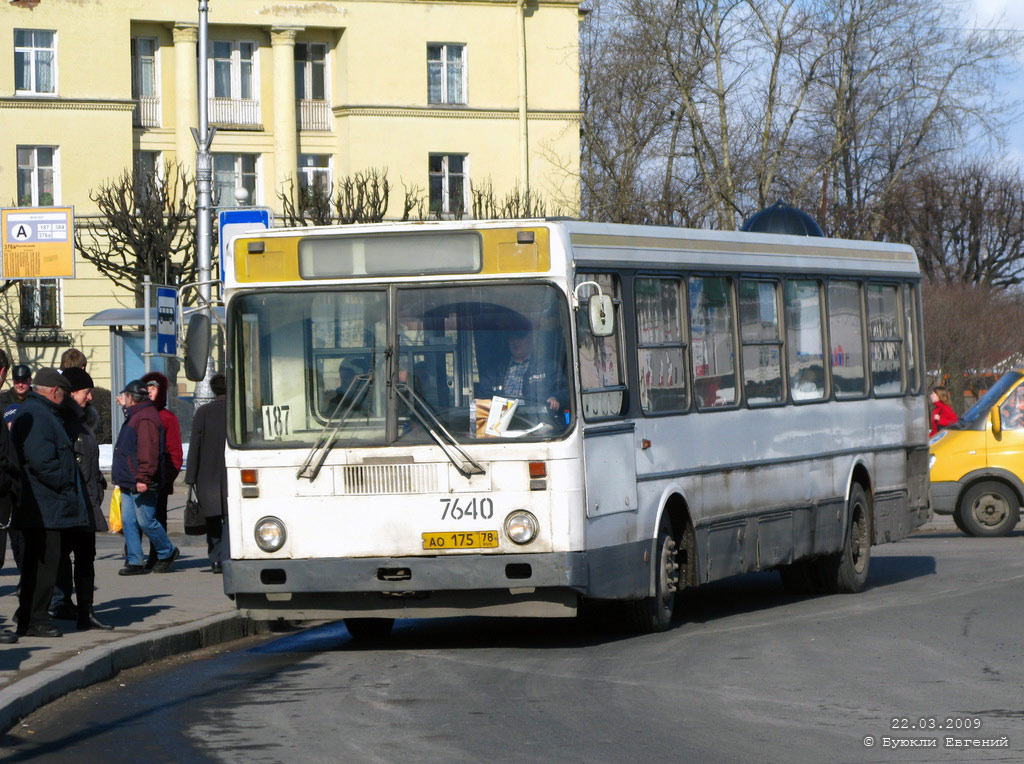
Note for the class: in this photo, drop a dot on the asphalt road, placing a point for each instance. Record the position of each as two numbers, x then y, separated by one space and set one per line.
746 674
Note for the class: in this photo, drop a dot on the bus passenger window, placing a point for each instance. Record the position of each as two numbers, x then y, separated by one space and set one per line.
712 342
762 344
884 330
911 334
803 340
601 380
661 351
845 326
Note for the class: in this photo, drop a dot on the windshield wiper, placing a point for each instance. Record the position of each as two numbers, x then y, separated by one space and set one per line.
468 466
325 440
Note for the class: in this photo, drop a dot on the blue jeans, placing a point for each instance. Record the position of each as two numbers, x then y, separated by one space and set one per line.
138 513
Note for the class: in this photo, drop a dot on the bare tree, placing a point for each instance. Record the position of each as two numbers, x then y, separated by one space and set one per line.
144 228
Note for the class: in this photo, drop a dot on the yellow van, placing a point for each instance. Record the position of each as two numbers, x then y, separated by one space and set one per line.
977 464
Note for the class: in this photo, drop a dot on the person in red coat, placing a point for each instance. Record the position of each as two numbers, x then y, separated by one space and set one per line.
156 385
942 410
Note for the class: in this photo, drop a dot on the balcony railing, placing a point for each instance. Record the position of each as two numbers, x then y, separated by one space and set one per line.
314 115
235 112
147 112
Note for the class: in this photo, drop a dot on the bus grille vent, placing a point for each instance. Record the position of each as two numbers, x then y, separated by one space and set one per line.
371 479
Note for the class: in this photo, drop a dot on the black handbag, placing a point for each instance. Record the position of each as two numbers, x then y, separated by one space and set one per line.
195 521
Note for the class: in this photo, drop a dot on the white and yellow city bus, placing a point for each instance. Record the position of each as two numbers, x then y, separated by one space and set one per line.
518 417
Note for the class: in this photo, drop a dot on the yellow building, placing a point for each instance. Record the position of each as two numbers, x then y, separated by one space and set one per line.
447 95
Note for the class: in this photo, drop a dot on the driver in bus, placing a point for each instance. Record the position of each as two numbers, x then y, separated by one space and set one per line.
526 378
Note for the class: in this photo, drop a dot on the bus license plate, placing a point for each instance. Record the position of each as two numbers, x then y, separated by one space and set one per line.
461 540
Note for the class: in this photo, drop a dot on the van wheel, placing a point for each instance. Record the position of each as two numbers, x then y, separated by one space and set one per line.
369 629
653 614
989 508
958 521
847 571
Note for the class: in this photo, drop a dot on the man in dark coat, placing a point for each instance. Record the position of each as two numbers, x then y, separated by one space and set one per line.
80 543
135 469
206 470
526 378
10 483
52 497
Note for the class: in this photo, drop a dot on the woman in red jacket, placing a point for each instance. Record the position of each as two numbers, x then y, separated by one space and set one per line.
942 410
156 385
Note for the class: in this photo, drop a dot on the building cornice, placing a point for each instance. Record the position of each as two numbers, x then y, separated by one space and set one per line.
66 104
432 112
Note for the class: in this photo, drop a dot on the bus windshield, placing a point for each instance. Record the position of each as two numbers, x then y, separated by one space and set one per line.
385 366
980 409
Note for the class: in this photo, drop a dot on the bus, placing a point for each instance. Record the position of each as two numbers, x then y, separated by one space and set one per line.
523 417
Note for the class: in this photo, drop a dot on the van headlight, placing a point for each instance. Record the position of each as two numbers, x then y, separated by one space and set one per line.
931 460
521 527
937 437
270 534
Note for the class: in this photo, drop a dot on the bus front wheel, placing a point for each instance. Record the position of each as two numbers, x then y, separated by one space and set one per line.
847 571
989 509
369 629
653 614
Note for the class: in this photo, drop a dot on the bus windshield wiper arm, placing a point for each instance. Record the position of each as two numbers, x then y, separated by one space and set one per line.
468 466
325 440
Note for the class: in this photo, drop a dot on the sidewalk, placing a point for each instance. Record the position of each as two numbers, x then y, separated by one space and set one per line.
154 616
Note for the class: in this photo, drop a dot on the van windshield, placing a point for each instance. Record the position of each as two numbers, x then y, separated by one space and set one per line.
980 409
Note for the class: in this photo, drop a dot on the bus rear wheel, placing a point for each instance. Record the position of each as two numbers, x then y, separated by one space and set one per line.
654 614
989 509
847 571
369 629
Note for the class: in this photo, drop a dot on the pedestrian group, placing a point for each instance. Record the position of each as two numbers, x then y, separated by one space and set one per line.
52 488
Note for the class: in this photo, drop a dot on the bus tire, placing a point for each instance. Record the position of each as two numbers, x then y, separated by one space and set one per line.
847 571
989 508
654 614
369 629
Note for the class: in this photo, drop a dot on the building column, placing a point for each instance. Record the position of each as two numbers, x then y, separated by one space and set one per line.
186 93
286 135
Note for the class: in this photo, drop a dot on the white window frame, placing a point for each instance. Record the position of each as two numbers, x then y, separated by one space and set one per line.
31 51
446 181
446 99
34 287
257 195
137 69
235 63
308 172
307 72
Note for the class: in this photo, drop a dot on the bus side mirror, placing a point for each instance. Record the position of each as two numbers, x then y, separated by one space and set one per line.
602 315
993 418
197 346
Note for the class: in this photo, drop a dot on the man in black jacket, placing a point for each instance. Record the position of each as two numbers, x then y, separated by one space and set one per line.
10 480
206 469
52 497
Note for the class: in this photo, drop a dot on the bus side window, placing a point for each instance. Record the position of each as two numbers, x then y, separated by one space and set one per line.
803 340
712 341
846 331
601 377
885 333
762 343
661 349
911 335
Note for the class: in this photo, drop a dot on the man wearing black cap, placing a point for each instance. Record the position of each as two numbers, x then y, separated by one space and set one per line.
52 497
21 384
136 470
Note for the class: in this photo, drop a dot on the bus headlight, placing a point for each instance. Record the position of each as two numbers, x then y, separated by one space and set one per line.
270 534
521 527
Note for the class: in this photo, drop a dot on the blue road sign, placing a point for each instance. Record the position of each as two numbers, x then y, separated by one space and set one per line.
232 222
166 320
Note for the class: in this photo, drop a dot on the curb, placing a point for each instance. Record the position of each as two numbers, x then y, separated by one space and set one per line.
103 662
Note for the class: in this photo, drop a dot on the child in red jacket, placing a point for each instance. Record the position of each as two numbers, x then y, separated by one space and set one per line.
942 412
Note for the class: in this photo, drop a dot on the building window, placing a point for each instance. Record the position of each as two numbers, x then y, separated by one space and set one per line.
233 69
36 176
145 82
40 304
310 71
35 61
231 172
446 73
448 186
148 169
315 171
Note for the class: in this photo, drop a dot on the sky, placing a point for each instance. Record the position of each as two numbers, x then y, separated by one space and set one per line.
1011 16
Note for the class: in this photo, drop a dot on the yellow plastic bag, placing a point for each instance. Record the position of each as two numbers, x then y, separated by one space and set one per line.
114 521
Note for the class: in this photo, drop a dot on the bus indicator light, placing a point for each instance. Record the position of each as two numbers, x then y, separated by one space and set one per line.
538 470
250 477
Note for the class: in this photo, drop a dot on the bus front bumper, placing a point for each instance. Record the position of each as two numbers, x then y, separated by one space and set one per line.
537 585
